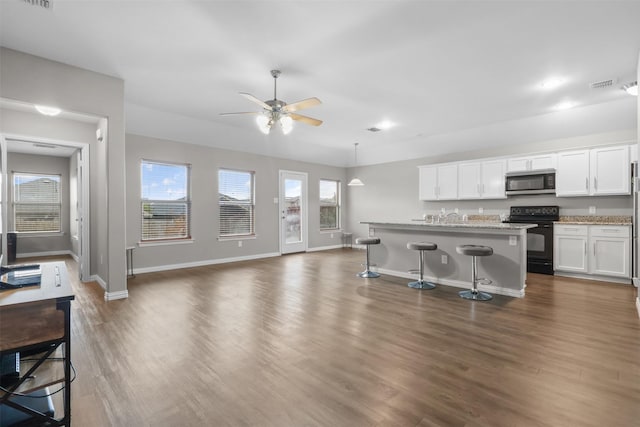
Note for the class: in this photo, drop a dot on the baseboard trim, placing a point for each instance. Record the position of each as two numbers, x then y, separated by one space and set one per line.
621 280
516 293
111 296
96 278
41 254
203 263
324 248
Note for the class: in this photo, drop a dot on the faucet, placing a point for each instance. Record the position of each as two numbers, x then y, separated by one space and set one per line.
451 217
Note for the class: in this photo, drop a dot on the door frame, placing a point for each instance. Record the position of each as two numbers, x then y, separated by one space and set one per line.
84 212
304 217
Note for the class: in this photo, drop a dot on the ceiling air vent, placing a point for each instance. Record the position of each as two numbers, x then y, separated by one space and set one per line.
374 129
45 4
602 84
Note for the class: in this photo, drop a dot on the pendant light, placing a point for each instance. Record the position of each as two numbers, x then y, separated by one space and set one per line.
355 182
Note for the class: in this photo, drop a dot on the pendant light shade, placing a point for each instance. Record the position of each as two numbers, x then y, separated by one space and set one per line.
355 181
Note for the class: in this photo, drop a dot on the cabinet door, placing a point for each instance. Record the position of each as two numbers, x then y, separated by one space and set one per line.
448 182
572 174
469 180
428 183
492 179
543 161
518 164
609 250
610 171
570 253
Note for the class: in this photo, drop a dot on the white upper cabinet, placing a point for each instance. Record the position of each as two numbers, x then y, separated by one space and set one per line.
572 173
597 172
438 182
533 162
610 171
481 180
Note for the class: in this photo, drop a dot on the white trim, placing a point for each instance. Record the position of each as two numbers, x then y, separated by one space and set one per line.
98 279
621 280
74 256
323 248
331 231
41 254
204 263
110 296
148 243
517 293
236 238
638 305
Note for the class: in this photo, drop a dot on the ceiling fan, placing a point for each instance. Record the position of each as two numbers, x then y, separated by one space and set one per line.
277 111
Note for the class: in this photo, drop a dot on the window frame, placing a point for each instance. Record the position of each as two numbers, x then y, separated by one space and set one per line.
188 202
57 176
251 204
337 204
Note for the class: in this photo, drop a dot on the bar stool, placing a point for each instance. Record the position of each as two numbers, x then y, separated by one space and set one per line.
421 246
475 251
368 241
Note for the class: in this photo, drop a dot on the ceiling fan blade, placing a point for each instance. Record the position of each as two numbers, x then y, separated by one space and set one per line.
300 105
305 119
244 112
257 101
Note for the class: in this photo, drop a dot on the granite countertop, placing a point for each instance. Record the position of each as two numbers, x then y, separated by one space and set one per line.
470 224
597 220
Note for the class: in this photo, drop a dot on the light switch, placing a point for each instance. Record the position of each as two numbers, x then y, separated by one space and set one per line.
592 210
513 240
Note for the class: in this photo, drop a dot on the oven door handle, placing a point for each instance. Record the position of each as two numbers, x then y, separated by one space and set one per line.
544 226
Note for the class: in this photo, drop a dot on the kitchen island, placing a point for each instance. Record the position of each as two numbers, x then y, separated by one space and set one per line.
506 268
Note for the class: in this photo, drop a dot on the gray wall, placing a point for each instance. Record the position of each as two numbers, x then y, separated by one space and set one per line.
36 80
29 163
205 163
391 189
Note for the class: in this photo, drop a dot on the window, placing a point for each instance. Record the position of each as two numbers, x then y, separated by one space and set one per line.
36 202
329 204
237 202
166 202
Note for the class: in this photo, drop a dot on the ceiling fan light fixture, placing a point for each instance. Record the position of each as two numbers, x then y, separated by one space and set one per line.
264 124
286 123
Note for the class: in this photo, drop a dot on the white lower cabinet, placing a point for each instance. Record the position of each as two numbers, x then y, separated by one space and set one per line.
601 250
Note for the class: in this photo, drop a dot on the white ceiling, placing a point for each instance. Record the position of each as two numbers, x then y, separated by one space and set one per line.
453 76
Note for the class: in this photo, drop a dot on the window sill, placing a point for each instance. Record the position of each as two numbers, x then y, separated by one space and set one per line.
22 235
235 238
331 231
165 243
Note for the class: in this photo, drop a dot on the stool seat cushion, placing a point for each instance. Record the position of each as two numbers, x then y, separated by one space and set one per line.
474 250
367 241
422 246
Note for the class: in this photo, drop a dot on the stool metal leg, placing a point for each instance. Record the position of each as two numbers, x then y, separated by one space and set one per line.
368 274
474 293
421 284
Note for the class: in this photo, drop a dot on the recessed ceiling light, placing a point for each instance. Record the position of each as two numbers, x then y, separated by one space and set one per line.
48 111
385 124
564 106
552 83
631 88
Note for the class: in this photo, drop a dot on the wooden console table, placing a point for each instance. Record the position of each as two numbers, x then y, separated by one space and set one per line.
39 317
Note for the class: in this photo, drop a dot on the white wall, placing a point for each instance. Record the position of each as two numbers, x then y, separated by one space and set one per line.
205 162
36 80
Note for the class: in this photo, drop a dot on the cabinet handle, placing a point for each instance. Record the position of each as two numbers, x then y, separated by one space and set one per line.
595 183
605 230
594 248
478 189
529 165
570 229
586 183
585 248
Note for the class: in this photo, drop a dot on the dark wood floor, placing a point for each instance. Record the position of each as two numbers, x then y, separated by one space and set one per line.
298 340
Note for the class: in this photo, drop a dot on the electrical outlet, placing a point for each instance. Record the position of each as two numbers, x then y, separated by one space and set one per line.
513 240
456 210
445 259
480 211
239 243
592 210
275 200
332 235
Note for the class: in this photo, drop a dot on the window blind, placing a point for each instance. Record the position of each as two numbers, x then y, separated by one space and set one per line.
166 202
36 202
236 202
329 204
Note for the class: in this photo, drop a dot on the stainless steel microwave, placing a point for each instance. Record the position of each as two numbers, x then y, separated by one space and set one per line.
541 181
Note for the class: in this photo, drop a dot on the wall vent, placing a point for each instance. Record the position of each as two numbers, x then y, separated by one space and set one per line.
45 4
602 84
